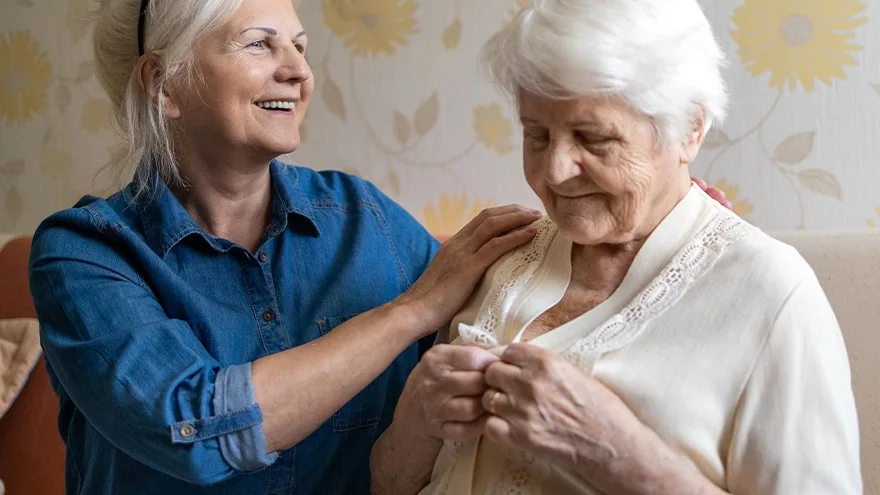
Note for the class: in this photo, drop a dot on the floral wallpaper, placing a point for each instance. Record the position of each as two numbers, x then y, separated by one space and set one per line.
401 101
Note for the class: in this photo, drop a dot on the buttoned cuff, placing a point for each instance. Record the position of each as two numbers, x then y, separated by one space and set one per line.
244 449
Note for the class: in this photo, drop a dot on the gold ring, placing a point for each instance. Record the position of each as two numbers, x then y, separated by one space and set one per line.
492 401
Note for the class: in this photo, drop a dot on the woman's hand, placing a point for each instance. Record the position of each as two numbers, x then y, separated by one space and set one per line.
450 279
540 403
442 397
713 192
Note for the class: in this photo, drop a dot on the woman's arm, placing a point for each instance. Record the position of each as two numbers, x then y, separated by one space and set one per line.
147 384
403 459
441 400
291 386
796 429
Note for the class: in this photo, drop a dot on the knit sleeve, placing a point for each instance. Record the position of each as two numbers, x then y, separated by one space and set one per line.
796 430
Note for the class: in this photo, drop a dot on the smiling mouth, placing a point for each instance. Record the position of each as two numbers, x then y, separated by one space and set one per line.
277 105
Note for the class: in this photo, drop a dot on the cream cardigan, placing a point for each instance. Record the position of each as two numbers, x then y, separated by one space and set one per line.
719 338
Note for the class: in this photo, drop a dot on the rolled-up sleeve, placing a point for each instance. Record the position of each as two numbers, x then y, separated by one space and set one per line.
245 447
143 380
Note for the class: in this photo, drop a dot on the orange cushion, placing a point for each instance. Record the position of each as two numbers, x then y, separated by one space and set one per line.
31 451
15 296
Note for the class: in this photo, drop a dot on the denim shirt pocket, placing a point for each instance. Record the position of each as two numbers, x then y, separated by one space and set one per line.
365 409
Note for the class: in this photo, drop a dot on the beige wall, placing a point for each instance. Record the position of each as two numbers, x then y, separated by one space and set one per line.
401 101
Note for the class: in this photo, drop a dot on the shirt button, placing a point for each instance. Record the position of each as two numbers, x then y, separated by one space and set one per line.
268 316
263 257
187 431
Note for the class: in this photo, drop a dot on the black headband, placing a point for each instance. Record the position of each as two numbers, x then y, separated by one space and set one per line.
142 18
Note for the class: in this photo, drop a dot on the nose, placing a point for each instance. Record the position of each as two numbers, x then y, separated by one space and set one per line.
293 68
561 163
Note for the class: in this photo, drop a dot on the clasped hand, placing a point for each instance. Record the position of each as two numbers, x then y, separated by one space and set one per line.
521 396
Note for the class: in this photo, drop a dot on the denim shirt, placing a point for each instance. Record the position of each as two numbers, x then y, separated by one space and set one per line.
150 325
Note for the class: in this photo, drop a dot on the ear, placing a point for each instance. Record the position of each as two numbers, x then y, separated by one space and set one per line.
149 71
694 140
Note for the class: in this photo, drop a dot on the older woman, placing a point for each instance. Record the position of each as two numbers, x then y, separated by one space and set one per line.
647 340
228 323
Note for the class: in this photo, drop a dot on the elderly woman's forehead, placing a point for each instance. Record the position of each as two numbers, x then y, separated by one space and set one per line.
590 107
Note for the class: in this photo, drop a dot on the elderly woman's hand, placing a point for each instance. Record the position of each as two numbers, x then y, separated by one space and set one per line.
442 397
460 263
540 403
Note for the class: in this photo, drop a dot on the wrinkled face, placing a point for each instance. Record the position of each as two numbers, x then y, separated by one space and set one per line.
253 84
595 165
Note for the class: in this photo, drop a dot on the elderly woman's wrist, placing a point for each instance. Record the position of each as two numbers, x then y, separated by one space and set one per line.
648 467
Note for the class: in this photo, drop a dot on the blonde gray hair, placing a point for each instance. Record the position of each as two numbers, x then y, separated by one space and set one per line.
172 29
659 56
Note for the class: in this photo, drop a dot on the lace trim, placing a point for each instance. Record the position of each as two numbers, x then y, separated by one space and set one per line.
688 266
523 474
516 270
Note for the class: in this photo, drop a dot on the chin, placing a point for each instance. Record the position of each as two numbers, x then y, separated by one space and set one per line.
585 229
283 148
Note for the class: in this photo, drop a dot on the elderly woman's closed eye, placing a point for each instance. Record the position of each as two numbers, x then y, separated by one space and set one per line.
647 340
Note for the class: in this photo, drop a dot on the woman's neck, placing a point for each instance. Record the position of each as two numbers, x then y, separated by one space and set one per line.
602 268
228 202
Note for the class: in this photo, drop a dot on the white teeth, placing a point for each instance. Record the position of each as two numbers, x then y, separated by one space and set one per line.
282 105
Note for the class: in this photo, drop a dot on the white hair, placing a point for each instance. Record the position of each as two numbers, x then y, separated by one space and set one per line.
659 56
173 28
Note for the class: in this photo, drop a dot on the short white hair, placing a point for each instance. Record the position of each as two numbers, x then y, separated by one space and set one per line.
659 56
173 28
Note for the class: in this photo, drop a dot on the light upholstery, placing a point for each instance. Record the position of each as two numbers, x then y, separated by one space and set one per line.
848 267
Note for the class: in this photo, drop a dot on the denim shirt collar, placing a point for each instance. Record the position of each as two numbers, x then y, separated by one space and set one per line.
166 222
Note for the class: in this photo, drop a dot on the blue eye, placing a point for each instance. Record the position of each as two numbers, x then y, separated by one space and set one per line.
258 44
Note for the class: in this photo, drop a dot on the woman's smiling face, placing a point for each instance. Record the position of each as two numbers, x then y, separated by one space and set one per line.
252 83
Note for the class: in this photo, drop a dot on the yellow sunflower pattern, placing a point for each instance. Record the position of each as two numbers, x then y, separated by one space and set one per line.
798 41
25 76
742 207
371 27
430 136
451 213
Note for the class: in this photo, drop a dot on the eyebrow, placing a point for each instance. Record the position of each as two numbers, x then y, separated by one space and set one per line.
574 123
589 124
267 30
271 31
